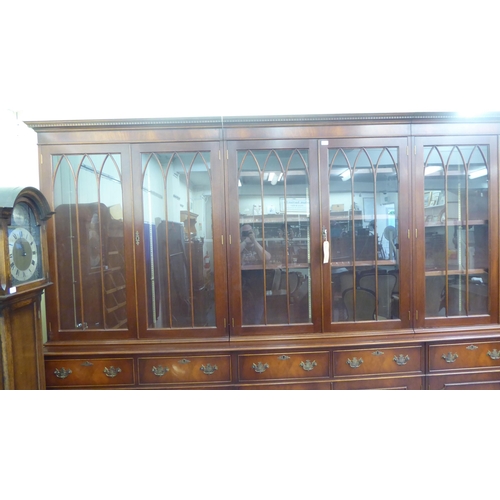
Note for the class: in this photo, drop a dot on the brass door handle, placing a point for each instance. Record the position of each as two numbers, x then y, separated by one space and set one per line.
450 358
401 359
308 365
495 354
355 362
111 372
209 369
259 367
159 370
62 373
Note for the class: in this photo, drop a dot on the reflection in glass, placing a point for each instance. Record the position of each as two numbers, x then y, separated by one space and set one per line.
177 207
364 200
88 202
274 211
456 230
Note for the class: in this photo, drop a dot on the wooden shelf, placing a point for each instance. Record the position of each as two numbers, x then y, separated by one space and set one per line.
273 218
454 272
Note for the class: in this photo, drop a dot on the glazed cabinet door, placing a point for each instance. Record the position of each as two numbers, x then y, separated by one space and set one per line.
456 233
179 246
90 242
274 238
365 206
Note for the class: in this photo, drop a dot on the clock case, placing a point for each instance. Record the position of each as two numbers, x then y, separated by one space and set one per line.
9 198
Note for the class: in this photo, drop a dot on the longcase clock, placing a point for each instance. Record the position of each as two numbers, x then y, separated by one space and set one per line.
24 276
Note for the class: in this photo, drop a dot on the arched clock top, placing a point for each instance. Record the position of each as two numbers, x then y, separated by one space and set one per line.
11 196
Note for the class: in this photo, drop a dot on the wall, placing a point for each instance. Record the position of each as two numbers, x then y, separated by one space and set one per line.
19 163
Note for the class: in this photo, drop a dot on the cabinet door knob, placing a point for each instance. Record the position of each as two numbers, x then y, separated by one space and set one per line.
209 369
62 373
159 370
494 354
355 362
111 372
308 365
450 358
401 359
259 367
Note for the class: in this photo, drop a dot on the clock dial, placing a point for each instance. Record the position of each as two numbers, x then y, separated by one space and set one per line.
23 254
24 246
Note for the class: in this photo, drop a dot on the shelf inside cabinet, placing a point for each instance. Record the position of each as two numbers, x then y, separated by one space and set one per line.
457 223
359 263
454 272
273 218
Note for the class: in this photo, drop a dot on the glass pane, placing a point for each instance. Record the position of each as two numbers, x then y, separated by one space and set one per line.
274 229
177 206
456 230
364 199
89 235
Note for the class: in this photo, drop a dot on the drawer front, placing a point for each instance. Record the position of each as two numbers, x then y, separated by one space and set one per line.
283 366
174 370
400 383
89 372
460 356
377 361
465 382
300 386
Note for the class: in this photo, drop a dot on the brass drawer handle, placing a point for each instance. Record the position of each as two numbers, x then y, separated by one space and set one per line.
209 369
355 362
159 370
111 372
450 358
401 360
495 354
62 373
308 365
259 367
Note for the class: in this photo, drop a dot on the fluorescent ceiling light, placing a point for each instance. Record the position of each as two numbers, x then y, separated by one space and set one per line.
433 169
478 173
346 174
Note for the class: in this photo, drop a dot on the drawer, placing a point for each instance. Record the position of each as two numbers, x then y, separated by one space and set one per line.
393 383
464 355
175 370
300 386
89 372
284 366
377 361
465 381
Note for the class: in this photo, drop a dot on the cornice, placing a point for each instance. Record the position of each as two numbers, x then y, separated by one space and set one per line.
270 120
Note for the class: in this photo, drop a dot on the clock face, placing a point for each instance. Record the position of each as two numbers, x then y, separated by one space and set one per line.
24 246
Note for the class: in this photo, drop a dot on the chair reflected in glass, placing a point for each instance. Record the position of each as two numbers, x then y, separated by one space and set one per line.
382 286
364 310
